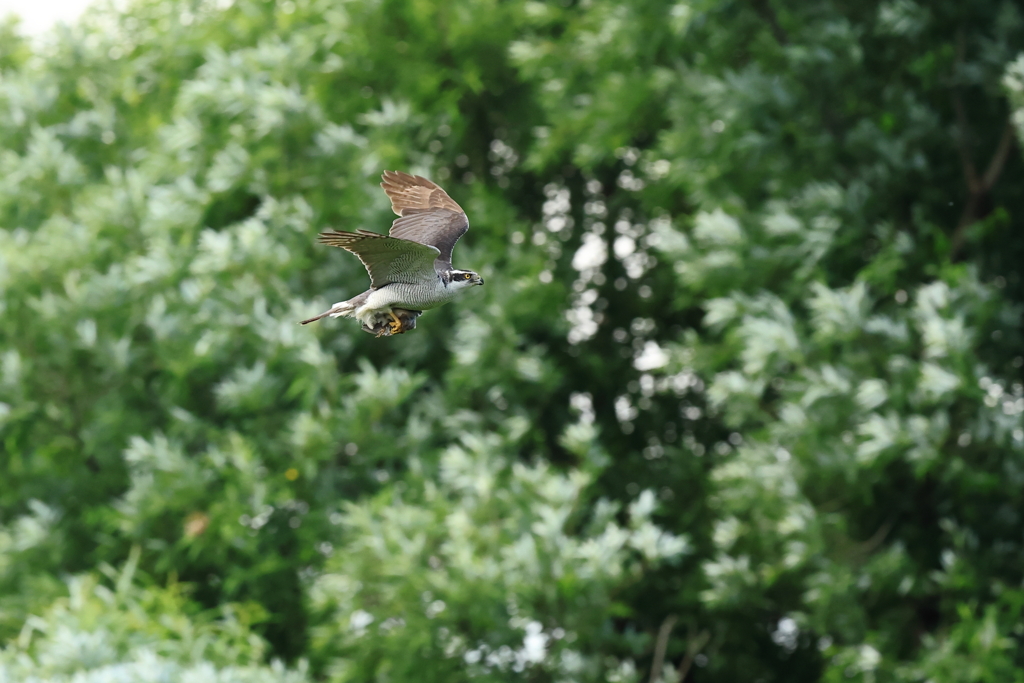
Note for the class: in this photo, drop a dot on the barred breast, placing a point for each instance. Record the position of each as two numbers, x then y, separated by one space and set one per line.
418 297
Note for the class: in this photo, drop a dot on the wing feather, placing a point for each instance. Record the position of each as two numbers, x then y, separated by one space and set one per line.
387 259
415 192
426 214
438 228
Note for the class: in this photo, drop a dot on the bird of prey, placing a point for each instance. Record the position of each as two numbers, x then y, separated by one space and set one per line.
411 267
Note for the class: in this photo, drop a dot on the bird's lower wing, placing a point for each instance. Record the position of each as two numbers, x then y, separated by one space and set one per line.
387 259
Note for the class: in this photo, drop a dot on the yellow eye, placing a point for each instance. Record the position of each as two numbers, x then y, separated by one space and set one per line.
466 276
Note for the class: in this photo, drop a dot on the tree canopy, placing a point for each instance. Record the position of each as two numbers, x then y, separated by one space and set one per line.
741 400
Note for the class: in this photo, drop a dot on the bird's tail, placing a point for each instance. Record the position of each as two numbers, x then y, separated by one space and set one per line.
344 308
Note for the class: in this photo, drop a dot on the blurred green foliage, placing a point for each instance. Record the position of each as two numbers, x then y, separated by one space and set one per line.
741 400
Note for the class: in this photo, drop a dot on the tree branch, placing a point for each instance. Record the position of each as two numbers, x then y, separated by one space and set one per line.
660 646
963 144
869 546
995 166
692 650
979 188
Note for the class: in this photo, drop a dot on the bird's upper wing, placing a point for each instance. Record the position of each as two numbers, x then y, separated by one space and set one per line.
415 192
426 214
387 259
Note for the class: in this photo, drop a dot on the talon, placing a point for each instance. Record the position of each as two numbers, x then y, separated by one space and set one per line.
395 326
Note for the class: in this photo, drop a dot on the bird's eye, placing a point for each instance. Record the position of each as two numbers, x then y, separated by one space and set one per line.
466 276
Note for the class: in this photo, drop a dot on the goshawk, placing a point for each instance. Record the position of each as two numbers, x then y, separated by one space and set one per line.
411 267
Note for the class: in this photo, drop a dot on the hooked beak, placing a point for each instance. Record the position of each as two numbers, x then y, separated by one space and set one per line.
479 280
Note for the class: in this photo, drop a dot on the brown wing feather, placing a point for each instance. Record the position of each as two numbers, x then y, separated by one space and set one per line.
438 228
415 192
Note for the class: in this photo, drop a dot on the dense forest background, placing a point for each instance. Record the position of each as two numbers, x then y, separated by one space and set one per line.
741 400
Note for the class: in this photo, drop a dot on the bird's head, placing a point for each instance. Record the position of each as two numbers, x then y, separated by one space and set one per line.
464 278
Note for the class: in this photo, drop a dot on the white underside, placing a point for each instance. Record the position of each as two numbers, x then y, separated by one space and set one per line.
379 304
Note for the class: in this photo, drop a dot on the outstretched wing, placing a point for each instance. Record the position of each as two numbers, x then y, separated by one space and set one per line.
415 192
426 214
387 259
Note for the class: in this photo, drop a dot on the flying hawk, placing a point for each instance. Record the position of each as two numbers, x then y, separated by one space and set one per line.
411 267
